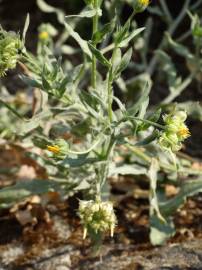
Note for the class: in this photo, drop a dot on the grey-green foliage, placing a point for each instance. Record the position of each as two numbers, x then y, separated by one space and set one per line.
22 190
86 113
186 45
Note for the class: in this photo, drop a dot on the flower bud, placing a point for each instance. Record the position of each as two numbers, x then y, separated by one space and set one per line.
181 115
196 26
97 216
10 48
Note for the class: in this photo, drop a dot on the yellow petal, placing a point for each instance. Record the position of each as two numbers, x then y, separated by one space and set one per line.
43 35
53 148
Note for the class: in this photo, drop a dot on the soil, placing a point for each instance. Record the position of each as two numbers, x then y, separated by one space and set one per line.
58 244
45 233
52 239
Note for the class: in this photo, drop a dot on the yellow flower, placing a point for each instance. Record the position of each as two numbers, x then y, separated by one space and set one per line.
53 148
141 5
59 148
144 2
43 35
184 132
175 131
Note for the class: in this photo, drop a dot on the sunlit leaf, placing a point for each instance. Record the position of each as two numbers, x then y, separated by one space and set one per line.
82 43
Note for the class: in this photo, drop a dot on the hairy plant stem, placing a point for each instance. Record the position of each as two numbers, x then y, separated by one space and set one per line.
110 78
103 172
94 62
109 86
147 121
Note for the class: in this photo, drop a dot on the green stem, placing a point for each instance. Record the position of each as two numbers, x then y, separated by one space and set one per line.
178 90
94 62
109 86
105 165
140 153
166 10
87 150
146 121
110 147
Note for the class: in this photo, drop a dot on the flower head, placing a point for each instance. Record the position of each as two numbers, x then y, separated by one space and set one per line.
97 216
183 133
140 5
10 47
59 149
43 35
53 148
46 32
175 131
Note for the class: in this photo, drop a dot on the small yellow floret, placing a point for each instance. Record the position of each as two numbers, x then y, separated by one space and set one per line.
184 132
53 148
43 35
144 2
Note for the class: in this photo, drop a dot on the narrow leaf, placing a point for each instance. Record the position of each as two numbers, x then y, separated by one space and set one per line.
82 43
11 195
11 109
126 40
50 9
107 28
124 63
190 188
100 57
153 174
27 22
87 13
148 139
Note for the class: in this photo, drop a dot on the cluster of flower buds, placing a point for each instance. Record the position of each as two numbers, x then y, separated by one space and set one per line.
140 5
97 216
10 49
196 27
175 131
59 149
